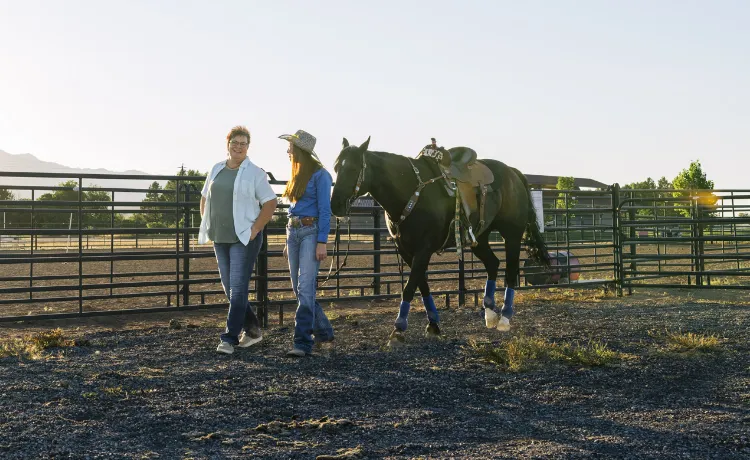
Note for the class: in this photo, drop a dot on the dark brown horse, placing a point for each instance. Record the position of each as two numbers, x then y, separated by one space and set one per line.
392 181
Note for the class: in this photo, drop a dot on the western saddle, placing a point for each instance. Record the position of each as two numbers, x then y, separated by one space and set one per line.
468 178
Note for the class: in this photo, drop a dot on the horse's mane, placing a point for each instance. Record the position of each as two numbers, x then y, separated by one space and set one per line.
346 151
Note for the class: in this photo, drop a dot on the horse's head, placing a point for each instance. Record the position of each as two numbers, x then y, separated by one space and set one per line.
350 177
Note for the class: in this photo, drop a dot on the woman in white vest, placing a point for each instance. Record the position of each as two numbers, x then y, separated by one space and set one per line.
236 204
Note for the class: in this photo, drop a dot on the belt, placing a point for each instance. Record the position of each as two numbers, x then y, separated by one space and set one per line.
297 222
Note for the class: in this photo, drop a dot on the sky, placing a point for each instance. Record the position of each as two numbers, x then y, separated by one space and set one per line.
616 91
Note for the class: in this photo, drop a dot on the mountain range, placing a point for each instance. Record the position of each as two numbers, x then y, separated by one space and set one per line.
26 162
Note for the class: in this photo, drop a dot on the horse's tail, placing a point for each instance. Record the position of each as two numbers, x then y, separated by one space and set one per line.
533 239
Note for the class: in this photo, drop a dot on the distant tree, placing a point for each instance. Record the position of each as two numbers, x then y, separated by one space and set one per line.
692 181
163 215
693 178
153 217
566 183
5 195
137 220
652 203
743 214
564 201
184 188
20 218
61 216
647 184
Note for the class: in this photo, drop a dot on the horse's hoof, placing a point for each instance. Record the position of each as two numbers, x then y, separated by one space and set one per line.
503 325
396 338
432 331
491 318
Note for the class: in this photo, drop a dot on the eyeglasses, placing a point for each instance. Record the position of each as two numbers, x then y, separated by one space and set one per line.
240 144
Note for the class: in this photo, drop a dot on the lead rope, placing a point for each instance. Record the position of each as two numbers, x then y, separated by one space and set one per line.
346 254
457 222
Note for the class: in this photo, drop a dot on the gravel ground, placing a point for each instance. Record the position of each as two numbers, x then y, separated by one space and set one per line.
136 388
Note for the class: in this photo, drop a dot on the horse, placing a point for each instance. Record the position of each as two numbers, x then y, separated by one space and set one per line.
419 216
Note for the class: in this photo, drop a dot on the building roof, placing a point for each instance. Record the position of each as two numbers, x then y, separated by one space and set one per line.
551 182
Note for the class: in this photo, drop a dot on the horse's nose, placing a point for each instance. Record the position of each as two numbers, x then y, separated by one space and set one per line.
336 206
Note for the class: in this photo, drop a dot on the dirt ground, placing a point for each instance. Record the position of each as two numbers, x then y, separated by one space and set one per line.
132 387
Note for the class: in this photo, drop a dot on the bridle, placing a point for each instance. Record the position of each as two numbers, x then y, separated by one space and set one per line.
404 214
360 180
349 203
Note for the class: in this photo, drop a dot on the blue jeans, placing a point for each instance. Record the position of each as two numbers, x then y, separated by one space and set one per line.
236 262
309 319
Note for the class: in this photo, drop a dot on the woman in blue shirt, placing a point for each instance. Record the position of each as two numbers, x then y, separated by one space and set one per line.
309 192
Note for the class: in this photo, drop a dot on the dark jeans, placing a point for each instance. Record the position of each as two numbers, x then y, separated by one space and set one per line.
236 262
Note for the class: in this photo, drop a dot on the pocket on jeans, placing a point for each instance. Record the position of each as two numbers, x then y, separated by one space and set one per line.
309 230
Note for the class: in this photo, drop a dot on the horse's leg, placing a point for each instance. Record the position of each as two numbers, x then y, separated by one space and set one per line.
432 330
484 252
418 266
402 320
512 261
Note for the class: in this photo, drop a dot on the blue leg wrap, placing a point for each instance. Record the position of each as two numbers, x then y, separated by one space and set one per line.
429 306
507 310
489 294
403 313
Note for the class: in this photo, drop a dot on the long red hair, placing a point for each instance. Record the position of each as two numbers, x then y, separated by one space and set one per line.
304 166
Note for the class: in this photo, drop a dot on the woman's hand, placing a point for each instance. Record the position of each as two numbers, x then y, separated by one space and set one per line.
254 232
321 252
285 252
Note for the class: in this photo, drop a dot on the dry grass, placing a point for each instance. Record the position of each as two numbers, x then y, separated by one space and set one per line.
526 353
567 294
686 343
689 341
31 345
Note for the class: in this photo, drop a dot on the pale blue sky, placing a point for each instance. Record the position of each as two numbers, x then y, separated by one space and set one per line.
611 90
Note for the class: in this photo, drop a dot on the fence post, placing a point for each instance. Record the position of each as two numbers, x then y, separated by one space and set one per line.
632 233
261 284
461 279
337 250
80 246
702 246
31 247
112 245
617 250
186 247
696 244
376 247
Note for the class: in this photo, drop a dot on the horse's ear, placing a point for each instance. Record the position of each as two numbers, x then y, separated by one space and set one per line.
366 144
345 143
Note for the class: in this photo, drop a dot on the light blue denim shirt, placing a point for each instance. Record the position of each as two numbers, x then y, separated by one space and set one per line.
316 202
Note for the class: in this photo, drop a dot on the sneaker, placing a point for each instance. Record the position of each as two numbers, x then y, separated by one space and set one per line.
254 332
296 353
225 347
246 339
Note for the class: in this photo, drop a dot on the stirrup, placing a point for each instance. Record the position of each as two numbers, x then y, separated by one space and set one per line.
473 239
